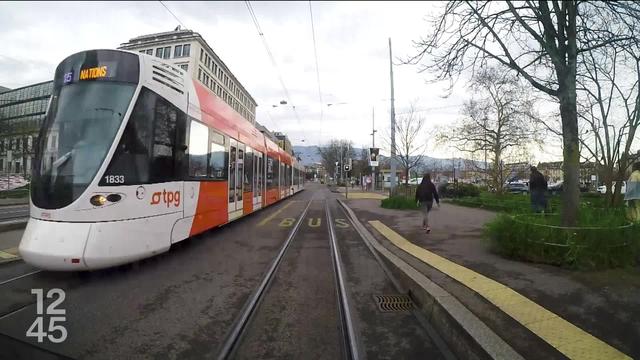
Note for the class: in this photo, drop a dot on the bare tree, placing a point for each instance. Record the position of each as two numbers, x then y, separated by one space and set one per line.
336 151
610 112
410 140
539 41
499 121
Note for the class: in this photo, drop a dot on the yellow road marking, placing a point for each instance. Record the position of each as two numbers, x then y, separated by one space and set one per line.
567 338
10 253
268 218
361 195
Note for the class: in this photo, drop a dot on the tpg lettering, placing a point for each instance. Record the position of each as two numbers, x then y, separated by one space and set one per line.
168 197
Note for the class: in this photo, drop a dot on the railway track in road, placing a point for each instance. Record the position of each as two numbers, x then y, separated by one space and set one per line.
265 296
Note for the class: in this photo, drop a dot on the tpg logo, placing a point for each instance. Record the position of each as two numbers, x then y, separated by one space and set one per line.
167 197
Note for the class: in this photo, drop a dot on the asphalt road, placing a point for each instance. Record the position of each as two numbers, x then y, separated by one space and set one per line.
11 212
182 304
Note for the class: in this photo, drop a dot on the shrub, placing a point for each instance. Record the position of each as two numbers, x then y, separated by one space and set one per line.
399 202
603 239
20 192
451 190
408 190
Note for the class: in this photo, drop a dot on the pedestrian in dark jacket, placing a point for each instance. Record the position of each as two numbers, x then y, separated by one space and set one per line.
425 194
537 188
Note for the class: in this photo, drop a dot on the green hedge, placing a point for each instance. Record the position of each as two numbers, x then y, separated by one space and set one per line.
603 240
16 193
399 202
450 190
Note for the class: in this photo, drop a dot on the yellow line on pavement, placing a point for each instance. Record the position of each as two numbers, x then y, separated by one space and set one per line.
361 195
565 337
10 253
268 218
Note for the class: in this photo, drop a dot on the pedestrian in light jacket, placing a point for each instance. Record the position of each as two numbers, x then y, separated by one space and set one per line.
426 193
632 194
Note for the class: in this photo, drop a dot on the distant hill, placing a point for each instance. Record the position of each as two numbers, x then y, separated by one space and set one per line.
309 155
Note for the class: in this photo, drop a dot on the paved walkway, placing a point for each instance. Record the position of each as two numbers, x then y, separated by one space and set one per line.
357 193
579 314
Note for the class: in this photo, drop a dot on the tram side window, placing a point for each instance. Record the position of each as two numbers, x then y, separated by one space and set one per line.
163 166
198 149
150 149
218 159
248 172
269 173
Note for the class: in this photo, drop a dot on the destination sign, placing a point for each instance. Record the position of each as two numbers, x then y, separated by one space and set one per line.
94 73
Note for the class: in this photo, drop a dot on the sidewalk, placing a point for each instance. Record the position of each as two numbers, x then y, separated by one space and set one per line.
357 193
9 241
14 201
541 311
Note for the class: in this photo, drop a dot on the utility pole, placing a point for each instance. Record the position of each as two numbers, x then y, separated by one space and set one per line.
392 179
373 143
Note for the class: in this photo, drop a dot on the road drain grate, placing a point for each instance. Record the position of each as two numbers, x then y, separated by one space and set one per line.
393 303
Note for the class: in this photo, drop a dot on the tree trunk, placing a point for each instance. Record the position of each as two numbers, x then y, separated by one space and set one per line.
571 155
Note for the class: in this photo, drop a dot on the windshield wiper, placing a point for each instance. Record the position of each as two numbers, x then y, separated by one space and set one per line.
56 164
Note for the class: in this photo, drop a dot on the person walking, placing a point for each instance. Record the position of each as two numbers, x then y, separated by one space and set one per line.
425 194
537 188
632 194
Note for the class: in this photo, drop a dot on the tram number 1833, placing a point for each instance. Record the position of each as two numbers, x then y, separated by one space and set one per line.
114 179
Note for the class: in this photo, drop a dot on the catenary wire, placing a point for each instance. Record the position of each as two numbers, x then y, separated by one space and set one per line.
174 15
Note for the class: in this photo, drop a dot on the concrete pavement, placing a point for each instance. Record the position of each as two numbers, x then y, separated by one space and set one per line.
181 304
602 306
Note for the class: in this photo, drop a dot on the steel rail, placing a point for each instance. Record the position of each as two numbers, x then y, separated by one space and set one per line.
344 307
252 303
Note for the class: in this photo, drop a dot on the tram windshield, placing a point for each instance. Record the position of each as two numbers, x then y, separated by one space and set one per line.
81 125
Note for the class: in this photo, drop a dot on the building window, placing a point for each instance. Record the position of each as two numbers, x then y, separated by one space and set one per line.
142 51
201 54
167 52
199 74
184 67
186 50
150 52
177 51
159 52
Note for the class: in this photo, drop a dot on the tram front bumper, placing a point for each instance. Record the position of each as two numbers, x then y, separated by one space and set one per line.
53 245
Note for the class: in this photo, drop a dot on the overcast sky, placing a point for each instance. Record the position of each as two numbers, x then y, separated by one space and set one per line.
352 45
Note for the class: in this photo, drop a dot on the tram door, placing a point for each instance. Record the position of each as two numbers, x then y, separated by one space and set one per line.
257 179
236 155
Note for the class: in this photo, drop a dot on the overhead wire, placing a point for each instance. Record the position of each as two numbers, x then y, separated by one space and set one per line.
174 15
254 18
315 53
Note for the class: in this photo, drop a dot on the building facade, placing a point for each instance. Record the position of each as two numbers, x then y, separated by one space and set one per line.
188 50
22 112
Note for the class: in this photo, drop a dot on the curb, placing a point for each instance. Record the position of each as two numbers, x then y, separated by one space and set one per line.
467 336
13 224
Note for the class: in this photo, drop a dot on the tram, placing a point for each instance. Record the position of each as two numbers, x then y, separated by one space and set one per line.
133 156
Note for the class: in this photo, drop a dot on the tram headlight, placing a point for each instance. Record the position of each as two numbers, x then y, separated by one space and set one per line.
98 200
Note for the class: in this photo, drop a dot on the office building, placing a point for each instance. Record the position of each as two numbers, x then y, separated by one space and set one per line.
188 50
22 112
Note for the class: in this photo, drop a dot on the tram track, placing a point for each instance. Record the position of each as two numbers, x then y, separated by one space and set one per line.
244 323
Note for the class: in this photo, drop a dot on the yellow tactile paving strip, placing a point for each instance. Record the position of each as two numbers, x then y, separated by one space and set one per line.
361 195
9 254
565 337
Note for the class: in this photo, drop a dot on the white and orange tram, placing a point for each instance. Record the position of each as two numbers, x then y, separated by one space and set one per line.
133 156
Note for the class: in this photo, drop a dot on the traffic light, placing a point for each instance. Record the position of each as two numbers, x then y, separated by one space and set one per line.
373 156
347 167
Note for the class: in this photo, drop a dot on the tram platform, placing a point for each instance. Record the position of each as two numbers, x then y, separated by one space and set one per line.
541 311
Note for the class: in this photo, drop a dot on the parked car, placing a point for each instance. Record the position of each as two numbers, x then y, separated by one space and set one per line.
603 189
517 188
